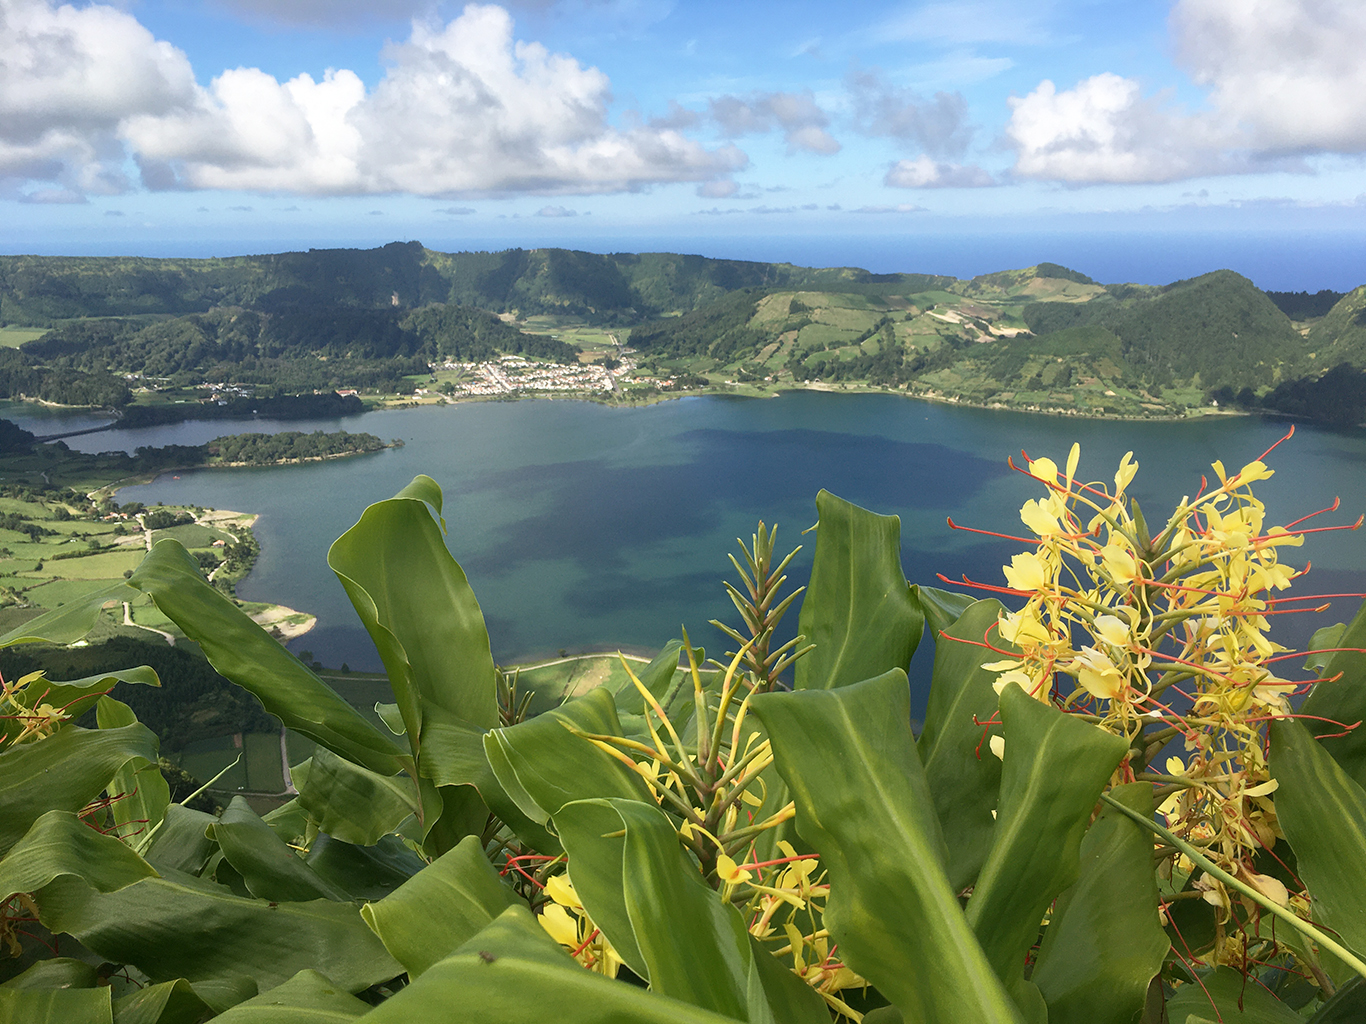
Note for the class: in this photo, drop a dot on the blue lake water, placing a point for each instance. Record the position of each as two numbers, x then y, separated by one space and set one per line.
584 526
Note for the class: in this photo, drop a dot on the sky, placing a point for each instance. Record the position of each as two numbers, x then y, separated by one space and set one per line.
1135 140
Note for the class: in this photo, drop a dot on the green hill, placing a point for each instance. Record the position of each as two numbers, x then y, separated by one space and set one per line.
1340 337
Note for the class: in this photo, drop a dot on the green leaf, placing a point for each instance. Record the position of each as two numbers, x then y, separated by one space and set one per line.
59 843
863 804
364 872
963 776
655 677
352 803
1346 1006
181 844
243 652
1055 769
1105 944
456 755
270 869
542 765
1321 646
75 696
64 772
306 998
171 1002
440 908
182 927
858 609
418 608
55 1006
138 793
1322 811
513 973
1234 999
71 621
941 608
59 972
1340 697
640 887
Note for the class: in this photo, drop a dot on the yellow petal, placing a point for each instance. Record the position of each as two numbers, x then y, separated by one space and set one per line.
1125 474
1073 457
1026 572
998 746
730 872
560 889
559 925
1112 629
1045 470
1097 674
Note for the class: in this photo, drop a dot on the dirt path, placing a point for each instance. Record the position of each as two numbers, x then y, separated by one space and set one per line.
128 621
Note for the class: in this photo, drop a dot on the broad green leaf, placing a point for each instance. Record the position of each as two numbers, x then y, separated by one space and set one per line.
243 652
392 718
55 1006
858 609
59 972
963 776
290 821
513 973
1340 697
1346 1006
74 696
171 1002
306 998
1224 994
59 843
1105 944
542 765
270 869
182 927
1322 811
640 887
352 803
64 772
138 793
364 872
1321 644
655 677
457 756
941 608
1055 769
71 621
417 605
181 844
440 908
863 804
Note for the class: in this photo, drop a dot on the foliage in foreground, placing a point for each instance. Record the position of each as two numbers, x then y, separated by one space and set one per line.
706 845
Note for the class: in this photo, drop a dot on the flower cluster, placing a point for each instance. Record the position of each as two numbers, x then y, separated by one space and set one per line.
1162 637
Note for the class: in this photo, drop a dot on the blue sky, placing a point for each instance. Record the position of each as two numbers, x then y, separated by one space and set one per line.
1137 140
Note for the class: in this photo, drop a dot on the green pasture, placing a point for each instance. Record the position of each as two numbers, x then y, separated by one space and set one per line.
106 565
192 535
13 337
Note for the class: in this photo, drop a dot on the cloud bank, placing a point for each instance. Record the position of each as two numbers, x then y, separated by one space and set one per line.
464 109
1284 79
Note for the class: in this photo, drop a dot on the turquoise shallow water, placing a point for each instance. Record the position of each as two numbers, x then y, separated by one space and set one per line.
581 525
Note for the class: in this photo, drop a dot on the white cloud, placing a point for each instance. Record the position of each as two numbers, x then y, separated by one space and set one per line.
898 208
1284 80
925 172
718 189
556 211
797 115
1290 71
938 126
1104 130
463 109
68 78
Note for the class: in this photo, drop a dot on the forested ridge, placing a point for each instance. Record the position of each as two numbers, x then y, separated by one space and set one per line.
326 320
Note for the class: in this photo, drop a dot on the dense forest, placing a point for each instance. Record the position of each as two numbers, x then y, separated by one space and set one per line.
194 702
293 323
